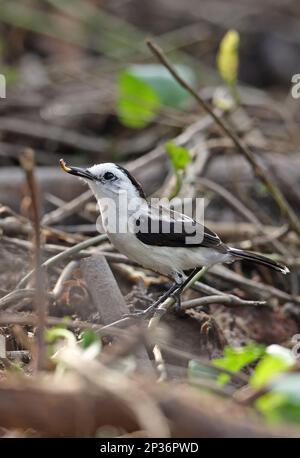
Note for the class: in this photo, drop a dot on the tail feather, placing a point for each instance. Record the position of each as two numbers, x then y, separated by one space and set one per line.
259 259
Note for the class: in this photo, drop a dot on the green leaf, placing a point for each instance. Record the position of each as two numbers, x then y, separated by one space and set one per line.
89 337
269 367
137 103
228 58
283 352
270 405
179 156
56 333
223 378
237 358
159 78
282 403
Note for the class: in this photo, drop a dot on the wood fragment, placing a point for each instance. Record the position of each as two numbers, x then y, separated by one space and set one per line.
108 298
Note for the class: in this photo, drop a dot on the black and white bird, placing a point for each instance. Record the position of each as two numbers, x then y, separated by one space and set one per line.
186 245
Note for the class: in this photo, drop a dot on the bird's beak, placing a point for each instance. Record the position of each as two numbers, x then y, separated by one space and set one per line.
76 171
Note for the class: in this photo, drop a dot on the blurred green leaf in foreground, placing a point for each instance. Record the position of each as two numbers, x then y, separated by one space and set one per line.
282 402
276 387
276 360
170 92
179 156
137 103
236 359
143 89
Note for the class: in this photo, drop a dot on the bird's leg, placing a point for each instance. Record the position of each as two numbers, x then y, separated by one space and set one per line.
176 290
148 311
177 297
177 293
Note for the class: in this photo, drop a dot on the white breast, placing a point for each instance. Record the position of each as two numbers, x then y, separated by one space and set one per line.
164 260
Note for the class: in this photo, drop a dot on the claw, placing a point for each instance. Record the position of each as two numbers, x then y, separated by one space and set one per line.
177 306
140 313
153 308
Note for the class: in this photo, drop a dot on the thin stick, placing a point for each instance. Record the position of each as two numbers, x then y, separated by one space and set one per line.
64 255
27 162
241 208
232 200
65 275
67 209
7 318
15 296
227 299
252 286
258 169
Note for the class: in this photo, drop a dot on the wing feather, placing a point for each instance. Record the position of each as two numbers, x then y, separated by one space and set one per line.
164 227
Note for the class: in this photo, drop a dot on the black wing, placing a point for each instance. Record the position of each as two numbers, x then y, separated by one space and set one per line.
173 229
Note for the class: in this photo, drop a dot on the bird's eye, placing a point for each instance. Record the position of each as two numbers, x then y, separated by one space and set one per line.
108 176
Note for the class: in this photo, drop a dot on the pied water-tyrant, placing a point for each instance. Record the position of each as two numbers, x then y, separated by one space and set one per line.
157 238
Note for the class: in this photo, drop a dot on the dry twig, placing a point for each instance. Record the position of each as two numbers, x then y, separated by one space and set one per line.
227 299
67 209
257 167
65 255
27 162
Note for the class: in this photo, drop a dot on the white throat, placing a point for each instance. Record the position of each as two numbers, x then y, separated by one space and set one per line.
119 210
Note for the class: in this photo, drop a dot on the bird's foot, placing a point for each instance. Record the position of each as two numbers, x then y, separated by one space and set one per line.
153 308
144 314
177 297
149 311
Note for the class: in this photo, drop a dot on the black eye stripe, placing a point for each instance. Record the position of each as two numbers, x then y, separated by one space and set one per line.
108 176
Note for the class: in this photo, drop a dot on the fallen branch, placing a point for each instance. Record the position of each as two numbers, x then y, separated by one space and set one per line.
251 285
108 299
67 209
227 299
19 225
64 255
232 200
53 133
8 318
15 296
65 275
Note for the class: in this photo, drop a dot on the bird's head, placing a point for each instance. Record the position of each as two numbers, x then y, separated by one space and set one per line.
107 180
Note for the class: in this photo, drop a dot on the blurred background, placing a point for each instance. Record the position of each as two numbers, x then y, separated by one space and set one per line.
64 63
82 84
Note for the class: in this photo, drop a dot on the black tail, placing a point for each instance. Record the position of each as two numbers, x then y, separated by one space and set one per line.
259 259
